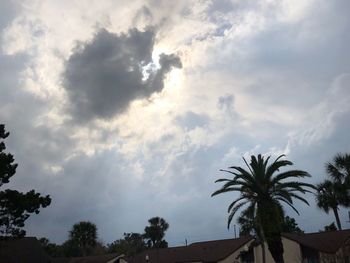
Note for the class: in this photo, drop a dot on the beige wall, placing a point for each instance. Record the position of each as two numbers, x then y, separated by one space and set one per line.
339 257
292 252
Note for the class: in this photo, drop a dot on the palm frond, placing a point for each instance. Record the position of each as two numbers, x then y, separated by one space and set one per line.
234 203
223 180
288 203
246 163
234 211
224 190
276 165
289 174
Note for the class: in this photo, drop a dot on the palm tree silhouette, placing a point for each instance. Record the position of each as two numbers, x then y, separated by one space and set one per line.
155 232
328 197
84 234
334 192
263 191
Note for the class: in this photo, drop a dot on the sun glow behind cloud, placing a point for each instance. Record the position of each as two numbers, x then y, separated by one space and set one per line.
254 78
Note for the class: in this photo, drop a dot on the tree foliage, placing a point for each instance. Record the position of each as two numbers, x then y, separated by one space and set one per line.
131 244
155 232
328 197
15 207
84 236
262 190
249 226
289 225
52 249
334 191
339 169
330 227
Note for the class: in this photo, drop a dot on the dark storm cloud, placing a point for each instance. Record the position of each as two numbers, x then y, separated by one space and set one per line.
104 75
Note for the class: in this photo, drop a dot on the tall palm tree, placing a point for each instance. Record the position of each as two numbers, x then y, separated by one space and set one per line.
264 190
328 197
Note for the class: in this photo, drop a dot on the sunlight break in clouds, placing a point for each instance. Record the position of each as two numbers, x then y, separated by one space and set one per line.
237 78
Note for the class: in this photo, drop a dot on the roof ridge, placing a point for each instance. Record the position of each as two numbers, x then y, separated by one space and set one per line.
315 233
218 240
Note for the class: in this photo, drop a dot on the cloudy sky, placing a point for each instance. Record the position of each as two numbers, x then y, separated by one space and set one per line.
124 110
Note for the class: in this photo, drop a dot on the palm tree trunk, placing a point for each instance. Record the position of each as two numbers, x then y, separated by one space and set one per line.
335 211
270 216
276 249
262 240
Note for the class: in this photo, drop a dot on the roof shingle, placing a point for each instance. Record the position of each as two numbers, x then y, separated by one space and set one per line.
208 251
328 242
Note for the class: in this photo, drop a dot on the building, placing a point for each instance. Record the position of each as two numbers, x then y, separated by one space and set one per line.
320 247
22 250
223 251
107 258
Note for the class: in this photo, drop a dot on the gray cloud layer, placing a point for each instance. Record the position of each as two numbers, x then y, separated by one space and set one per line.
290 67
104 75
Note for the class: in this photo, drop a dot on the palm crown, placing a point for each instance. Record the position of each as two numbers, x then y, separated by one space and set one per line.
261 184
263 188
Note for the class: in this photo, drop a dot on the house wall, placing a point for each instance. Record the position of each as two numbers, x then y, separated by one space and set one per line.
341 256
292 253
232 258
327 258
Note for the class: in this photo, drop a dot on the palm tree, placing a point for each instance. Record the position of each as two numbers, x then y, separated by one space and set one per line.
84 234
155 232
248 224
264 191
339 170
339 173
334 192
328 197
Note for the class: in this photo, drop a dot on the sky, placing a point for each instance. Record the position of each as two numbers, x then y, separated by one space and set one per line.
125 110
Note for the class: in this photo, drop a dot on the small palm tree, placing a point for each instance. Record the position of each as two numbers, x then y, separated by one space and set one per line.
262 189
339 169
155 232
328 197
334 192
84 234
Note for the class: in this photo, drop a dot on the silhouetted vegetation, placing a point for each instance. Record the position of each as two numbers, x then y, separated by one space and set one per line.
131 244
333 192
289 225
15 207
83 241
155 232
263 191
249 226
84 236
330 227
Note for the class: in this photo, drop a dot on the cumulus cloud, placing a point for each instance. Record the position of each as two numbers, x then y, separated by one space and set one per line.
258 78
103 76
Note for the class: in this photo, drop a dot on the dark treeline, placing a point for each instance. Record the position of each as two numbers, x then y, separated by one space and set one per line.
82 241
15 207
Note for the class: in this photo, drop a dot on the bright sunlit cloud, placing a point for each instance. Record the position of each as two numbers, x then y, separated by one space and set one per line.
116 107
